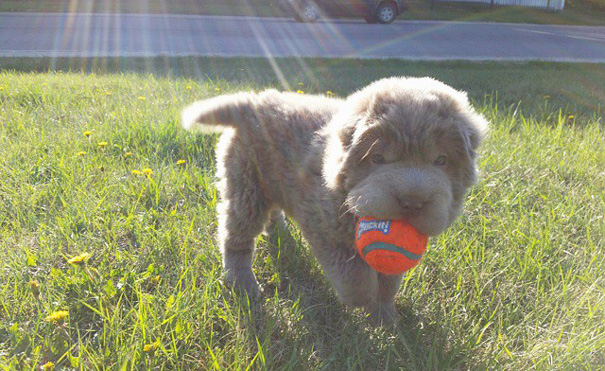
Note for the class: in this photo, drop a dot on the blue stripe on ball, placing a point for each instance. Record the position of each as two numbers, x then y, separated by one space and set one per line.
385 246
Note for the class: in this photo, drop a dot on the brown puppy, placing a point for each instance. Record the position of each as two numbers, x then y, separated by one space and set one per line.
399 148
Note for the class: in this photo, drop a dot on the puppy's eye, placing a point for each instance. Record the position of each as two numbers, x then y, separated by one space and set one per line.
378 159
440 161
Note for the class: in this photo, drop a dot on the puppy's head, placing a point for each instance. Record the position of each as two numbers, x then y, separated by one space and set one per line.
404 148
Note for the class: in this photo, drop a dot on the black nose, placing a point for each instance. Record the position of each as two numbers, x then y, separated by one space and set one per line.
411 206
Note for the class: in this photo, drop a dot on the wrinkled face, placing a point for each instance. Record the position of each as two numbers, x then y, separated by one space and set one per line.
407 154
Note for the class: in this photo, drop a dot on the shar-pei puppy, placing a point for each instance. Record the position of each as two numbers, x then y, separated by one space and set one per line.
400 148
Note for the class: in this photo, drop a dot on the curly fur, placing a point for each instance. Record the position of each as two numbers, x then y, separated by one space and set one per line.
399 148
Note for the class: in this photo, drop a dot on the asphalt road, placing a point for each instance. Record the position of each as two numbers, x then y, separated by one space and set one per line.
95 35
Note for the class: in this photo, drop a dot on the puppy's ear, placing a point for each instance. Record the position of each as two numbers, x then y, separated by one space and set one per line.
473 131
338 142
472 125
347 131
344 133
377 108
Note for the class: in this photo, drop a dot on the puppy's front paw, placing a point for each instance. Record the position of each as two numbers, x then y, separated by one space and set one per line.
243 280
238 271
383 314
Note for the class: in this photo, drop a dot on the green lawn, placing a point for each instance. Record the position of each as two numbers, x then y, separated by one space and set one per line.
536 87
578 12
225 7
92 163
575 13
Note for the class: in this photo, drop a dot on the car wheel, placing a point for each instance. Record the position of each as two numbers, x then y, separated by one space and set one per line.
308 12
386 13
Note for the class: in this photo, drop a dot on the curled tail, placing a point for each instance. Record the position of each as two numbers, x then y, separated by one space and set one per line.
209 115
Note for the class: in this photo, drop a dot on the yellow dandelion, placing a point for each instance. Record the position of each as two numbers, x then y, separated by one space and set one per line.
102 144
188 87
152 347
35 287
137 172
44 84
570 117
79 259
81 153
141 98
48 366
300 92
127 154
87 133
181 162
57 317
147 171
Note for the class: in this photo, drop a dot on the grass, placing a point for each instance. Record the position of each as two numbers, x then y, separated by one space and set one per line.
574 13
535 87
227 7
577 12
107 265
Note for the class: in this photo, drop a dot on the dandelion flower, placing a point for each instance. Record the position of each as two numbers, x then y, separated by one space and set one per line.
570 117
300 92
137 172
35 287
57 317
87 133
181 162
147 171
141 98
188 87
102 144
81 153
48 366
79 259
127 154
151 348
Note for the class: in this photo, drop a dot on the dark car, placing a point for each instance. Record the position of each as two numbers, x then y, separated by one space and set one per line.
382 11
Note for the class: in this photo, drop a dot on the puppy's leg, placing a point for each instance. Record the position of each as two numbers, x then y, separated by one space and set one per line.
237 234
355 282
388 285
358 285
241 215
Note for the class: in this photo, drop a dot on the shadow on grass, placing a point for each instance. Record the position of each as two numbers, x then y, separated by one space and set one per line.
299 322
575 88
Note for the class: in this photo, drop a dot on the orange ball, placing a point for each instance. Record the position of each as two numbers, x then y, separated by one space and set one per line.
389 246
